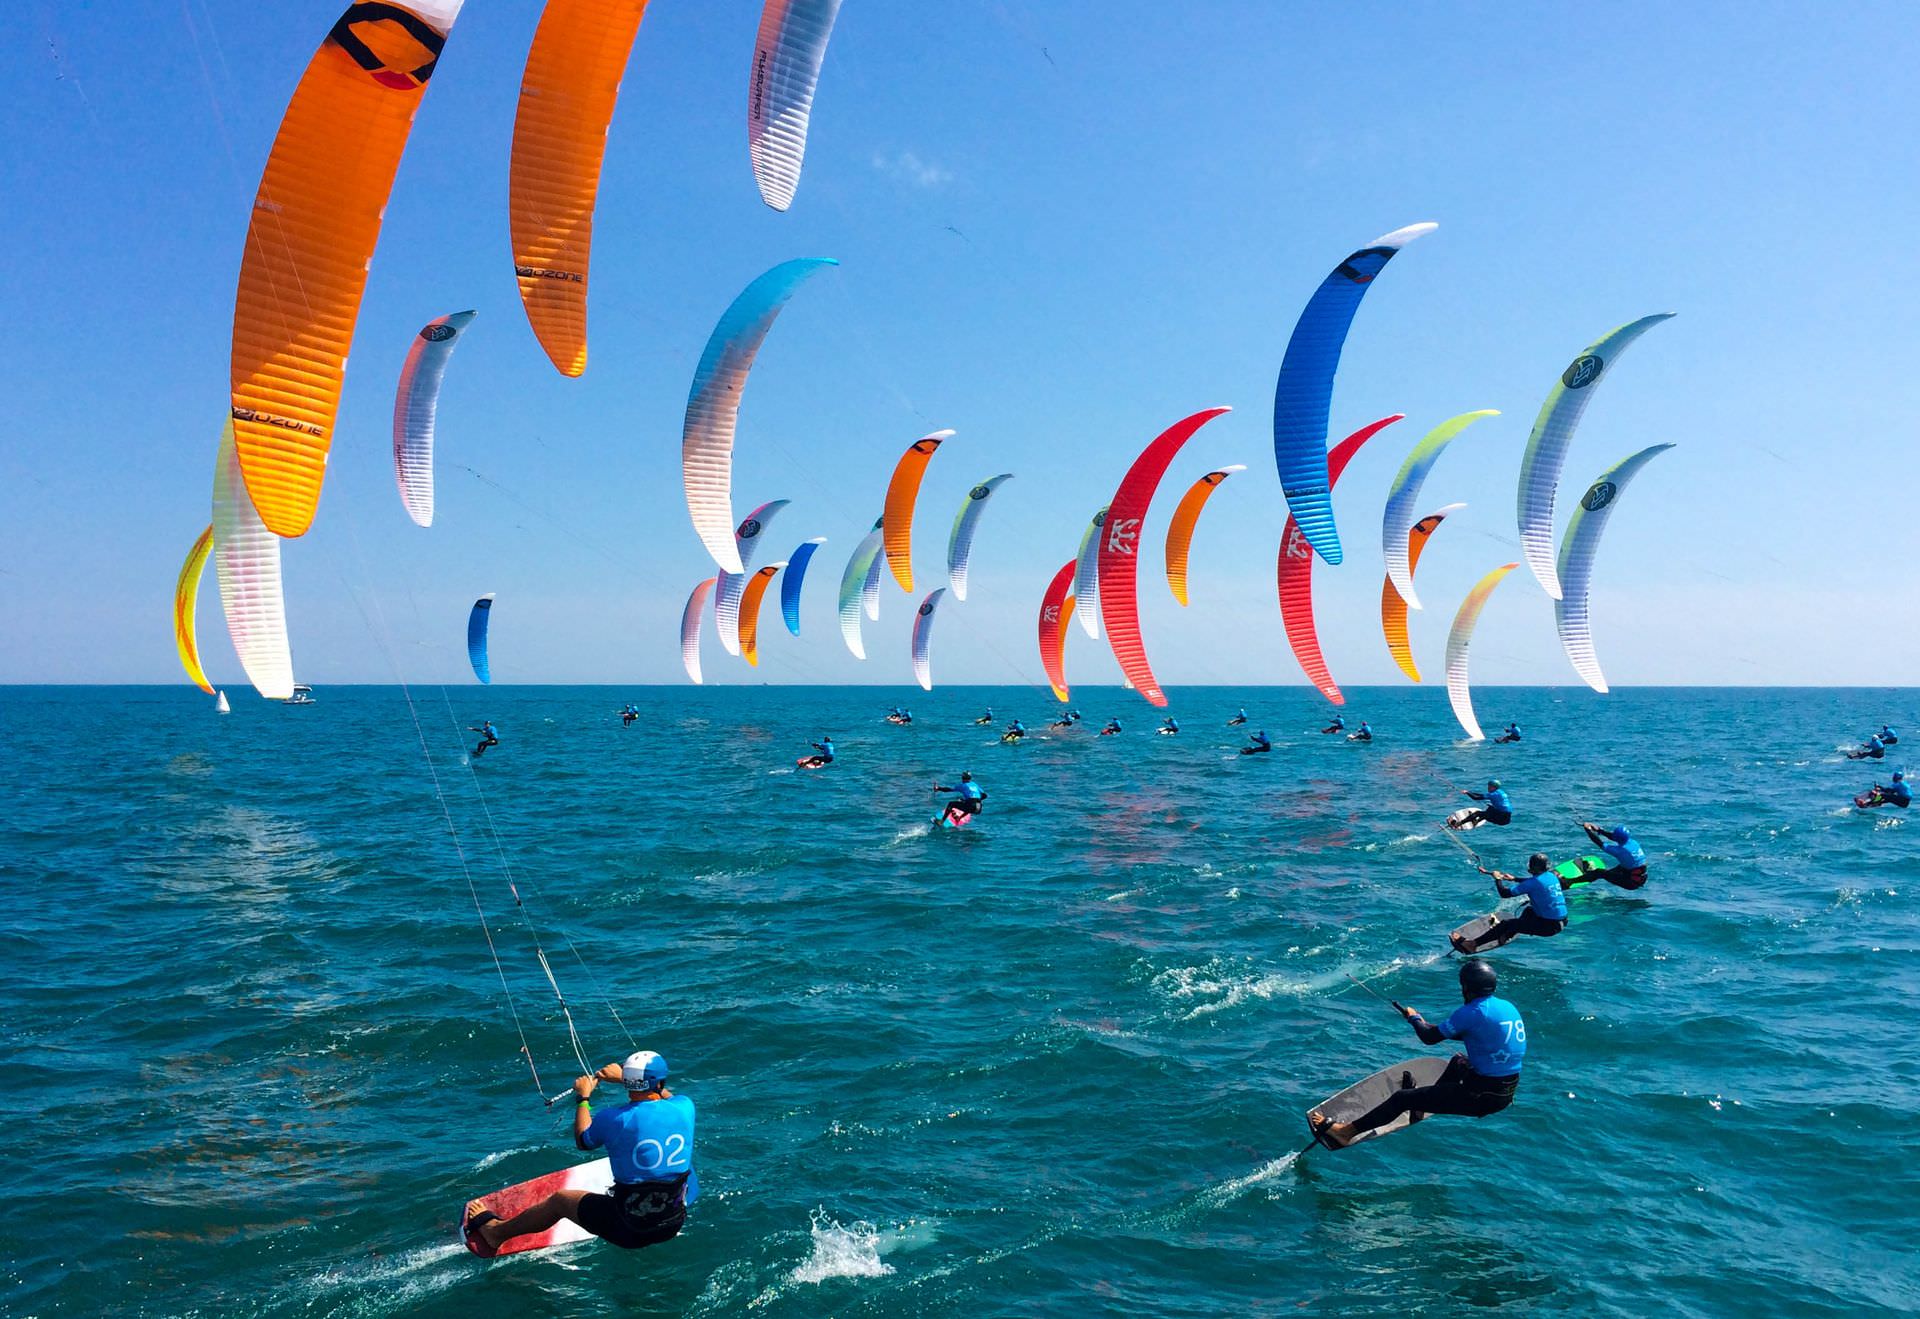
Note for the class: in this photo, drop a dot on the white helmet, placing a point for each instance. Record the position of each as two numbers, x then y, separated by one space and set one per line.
644 1070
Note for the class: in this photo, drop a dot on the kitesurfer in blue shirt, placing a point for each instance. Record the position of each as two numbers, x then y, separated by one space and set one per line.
1875 749
825 747
1477 1085
1498 808
1362 734
1897 793
1511 735
649 1142
1256 743
1169 726
1339 725
1545 913
986 718
1014 732
1067 720
1238 719
1887 736
627 715
488 738
1629 868
969 801
1113 726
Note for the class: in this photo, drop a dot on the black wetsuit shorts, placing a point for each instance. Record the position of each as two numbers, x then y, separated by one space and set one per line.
1460 1092
1527 921
636 1214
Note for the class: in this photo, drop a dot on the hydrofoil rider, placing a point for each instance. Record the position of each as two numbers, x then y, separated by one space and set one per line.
1238 719
1897 793
1256 744
1875 749
1169 727
1511 735
1498 808
1629 868
986 718
1113 726
825 757
1014 732
1362 734
649 1142
969 801
1545 913
1477 1085
1339 725
488 737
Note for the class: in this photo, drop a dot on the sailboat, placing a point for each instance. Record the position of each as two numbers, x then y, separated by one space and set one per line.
220 705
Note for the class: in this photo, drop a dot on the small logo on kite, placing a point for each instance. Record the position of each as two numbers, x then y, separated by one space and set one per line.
927 445
1374 258
1051 614
1100 518
1599 495
978 492
926 607
1123 535
394 45
1585 370
438 333
1296 546
748 529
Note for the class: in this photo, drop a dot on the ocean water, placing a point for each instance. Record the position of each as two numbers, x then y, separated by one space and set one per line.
256 1053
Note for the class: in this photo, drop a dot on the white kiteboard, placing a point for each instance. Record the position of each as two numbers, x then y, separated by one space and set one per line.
1359 1099
595 1176
1460 822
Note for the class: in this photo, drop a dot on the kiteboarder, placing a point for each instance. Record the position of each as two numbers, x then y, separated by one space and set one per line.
1014 732
986 718
1067 720
488 738
1113 726
1362 734
1887 736
627 715
972 797
1339 725
1511 735
1169 727
1545 913
1629 868
1477 1085
1238 719
1256 743
1498 808
1875 749
648 1140
825 747
1897 793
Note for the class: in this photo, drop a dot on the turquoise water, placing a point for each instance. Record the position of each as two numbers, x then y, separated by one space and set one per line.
256 1054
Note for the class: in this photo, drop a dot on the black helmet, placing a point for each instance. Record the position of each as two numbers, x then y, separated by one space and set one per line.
1539 863
1477 978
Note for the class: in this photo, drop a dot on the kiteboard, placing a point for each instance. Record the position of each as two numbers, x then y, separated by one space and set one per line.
1463 819
952 819
595 1176
806 762
1359 1099
1581 870
1477 927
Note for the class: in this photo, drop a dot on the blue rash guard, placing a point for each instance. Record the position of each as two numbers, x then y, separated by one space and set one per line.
1260 740
970 791
1899 793
1495 1036
647 1140
824 748
1543 895
1628 855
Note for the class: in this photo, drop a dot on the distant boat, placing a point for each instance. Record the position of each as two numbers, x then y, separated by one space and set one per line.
302 695
220 705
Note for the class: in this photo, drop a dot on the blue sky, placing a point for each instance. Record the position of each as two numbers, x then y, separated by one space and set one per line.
1061 227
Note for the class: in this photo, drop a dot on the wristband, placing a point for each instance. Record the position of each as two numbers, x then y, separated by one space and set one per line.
581 1099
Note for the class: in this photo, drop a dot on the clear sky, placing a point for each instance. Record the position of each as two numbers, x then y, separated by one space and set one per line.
1061 227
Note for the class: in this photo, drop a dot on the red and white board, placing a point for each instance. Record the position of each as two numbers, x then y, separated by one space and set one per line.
595 1176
